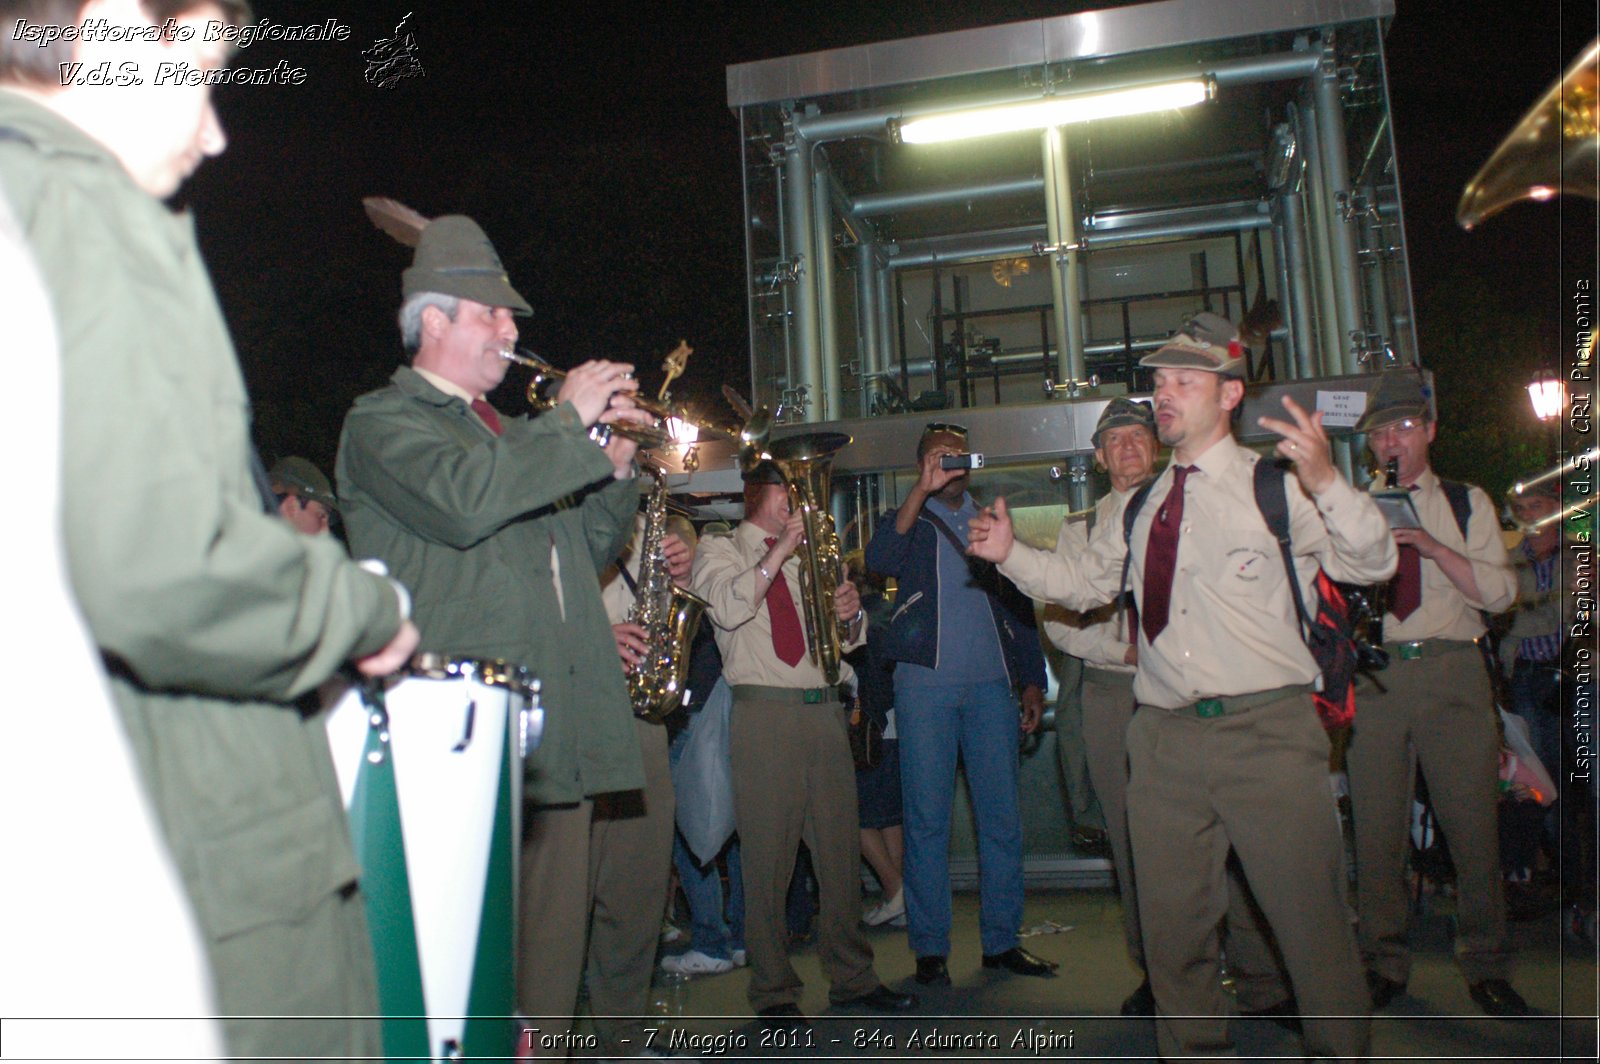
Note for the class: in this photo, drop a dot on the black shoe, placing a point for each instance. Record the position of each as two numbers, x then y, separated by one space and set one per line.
880 1000
782 1017
1091 841
1021 962
931 971
1497 998
1142 1002
1285 1014
1384 989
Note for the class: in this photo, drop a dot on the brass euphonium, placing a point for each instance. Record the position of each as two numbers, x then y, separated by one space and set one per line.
806 464
1555 149
669 615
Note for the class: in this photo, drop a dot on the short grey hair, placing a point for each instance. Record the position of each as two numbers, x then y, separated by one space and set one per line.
411 316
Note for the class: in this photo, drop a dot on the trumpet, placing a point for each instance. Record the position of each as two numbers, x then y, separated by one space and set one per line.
648 437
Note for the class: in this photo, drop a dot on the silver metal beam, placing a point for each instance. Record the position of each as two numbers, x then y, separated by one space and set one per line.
1061 230
1059 39
1341 230
1301 302
1016 434
801 232
824 405
877 203
868 350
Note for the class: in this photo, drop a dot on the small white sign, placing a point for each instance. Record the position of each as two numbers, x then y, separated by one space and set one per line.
1341 410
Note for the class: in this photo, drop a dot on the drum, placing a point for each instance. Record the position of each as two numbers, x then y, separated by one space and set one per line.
430 768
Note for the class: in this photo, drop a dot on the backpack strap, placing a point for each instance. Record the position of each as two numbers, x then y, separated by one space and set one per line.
1460 497
1272 499
1130 513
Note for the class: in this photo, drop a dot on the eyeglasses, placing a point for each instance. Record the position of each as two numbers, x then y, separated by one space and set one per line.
944 426
1409 424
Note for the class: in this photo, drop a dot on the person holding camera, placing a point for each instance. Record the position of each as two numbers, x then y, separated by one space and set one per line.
966 644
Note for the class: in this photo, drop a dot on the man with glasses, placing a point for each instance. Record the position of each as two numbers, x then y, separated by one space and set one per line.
1435 710
966 644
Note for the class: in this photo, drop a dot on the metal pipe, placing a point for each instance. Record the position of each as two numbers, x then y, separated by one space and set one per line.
1061 230
885 308
1375 269
866 320
1228 72
797 201
876 203
1341 232
1300 306
824 406
927 252
1321 259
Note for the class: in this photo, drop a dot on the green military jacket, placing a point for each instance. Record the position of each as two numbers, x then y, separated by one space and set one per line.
212 615
466 520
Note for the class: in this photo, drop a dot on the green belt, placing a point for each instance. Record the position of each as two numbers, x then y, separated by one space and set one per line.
810 696
1425 648
1229 704
1108 677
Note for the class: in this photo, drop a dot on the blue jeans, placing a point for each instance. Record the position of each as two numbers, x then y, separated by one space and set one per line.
711 933
981 721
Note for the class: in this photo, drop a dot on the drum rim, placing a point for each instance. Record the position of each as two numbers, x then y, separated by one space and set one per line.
492 672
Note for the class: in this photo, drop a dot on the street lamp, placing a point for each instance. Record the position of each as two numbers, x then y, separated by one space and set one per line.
1548 394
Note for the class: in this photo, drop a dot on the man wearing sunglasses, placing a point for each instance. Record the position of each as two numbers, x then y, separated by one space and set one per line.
967 647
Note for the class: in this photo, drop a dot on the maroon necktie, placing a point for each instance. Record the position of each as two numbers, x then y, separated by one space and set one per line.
488 413
788 642
1161 556
1405 592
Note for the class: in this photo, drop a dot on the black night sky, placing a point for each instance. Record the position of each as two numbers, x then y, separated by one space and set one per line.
595 145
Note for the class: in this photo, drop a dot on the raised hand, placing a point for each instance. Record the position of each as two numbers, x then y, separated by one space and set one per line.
1305 444
597 386
990 535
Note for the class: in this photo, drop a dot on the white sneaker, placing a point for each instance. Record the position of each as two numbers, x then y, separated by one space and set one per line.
696 963
670 932
738 958
888 911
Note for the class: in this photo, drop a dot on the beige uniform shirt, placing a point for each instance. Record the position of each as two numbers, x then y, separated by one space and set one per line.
1232 627
725 576
1099 636
1445 613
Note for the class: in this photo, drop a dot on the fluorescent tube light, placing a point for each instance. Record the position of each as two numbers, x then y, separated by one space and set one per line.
1055 111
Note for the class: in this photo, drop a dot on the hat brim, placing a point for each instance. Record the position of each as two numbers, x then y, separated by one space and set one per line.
1390 414
1183 356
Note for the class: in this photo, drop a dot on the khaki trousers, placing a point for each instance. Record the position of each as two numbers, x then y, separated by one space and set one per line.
793 779
1438 711
596 871
1254 781
1107 710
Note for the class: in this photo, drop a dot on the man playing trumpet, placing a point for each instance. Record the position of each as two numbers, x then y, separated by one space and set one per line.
500 526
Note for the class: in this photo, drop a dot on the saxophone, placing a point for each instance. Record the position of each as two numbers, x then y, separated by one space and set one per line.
669 616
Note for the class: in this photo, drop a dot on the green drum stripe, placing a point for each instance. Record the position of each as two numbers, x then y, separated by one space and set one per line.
381 850
492 1000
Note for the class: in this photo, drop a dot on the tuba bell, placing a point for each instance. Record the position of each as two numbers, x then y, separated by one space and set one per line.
1553 150
806 464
